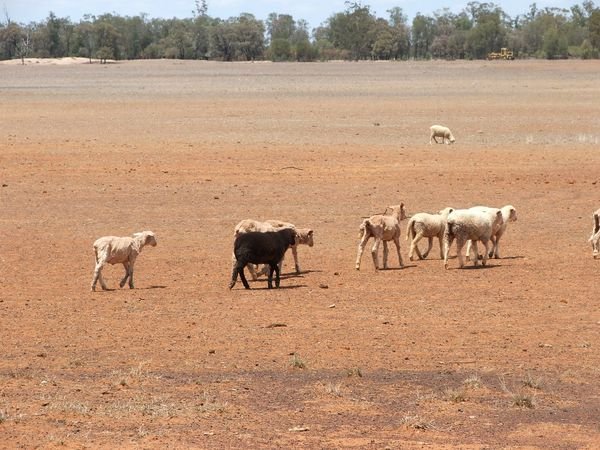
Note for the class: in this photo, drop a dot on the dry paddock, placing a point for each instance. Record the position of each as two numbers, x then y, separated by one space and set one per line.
505 356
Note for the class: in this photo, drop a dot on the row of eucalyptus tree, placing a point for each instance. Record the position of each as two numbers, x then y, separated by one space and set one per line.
356 33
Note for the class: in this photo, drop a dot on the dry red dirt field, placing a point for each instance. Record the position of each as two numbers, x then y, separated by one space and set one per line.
419 357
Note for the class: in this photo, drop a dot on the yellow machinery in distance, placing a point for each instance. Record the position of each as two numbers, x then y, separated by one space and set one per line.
504 53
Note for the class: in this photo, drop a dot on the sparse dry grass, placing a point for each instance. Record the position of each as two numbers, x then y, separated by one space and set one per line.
297 362
533 381
455 395
519 399
334 389
354 372
417 422
472 381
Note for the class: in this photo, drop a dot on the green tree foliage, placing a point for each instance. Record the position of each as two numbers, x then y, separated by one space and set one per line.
355 33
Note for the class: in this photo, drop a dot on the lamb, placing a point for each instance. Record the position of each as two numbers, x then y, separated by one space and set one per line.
595 237
257 247
383 228
305 237
509 214
465 224
427 225
443 132
123 250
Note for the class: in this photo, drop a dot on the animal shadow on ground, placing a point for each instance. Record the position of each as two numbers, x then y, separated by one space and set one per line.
406 266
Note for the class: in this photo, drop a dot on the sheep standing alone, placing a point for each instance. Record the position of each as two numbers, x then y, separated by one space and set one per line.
304 237
383 229
464 225
509 214
120 250
429 226
261 248
595 237
443 132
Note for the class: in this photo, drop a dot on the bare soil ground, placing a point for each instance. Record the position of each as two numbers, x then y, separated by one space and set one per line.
502 356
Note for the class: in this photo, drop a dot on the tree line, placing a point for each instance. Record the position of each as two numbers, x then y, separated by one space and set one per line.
353 34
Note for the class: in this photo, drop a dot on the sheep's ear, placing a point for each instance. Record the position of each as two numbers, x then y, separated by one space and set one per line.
310 232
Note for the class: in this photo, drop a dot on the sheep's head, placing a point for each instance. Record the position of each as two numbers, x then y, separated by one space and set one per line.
305 236
398 210
147 237
451 138
444 212
511 213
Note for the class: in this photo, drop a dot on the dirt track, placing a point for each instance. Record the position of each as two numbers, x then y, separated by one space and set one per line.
188 149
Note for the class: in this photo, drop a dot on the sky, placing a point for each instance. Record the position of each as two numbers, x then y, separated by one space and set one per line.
313 11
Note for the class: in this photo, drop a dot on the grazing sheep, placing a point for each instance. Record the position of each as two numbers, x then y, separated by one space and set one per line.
383 229
595 237
123 250
443 132
429 226
305 237
257 247
509 214
464 225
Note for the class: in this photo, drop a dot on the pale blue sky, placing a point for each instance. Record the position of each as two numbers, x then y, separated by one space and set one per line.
314 11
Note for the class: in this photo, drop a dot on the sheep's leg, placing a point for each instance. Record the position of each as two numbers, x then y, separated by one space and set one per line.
485 253
495 251
240 270
397 242
234 275
374 252
295 255
414 247
468 252
441 242
447 243
273 268
252 270
131 276
430 244
361 248
476 252
127 274
277 272
385 254
460 243
98 276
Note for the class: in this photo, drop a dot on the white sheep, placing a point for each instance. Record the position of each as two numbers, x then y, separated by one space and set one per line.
464 225
509 214
441 131
424 225
595 237
120 250
383 228
304 236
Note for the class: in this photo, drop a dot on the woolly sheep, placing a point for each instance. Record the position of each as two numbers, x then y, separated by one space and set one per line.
441 131
424 225
595 237
383 228
464 225
120 250
257 247
304 237
509 214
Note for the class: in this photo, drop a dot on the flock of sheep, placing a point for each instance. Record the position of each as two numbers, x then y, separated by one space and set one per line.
267 242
